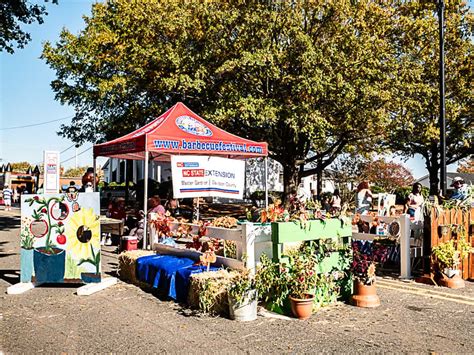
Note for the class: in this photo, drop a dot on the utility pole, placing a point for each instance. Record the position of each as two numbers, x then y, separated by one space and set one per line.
75 160
442 111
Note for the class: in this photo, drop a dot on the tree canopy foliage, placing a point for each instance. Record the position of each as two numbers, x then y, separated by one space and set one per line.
21 166
466 166
12 14
318 77
386 175
75 172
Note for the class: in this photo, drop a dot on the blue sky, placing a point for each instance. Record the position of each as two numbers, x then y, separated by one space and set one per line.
26 97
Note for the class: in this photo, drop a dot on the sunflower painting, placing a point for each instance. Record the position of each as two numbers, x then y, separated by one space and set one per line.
64 238
82 232
83 238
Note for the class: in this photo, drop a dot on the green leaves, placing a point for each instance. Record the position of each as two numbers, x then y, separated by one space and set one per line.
94 260
37 215
13 14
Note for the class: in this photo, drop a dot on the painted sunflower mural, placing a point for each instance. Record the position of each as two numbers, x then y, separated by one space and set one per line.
83 237
60 238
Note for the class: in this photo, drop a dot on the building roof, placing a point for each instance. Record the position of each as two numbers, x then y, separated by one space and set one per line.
467 177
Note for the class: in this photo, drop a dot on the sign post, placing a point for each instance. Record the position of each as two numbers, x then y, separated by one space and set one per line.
51 172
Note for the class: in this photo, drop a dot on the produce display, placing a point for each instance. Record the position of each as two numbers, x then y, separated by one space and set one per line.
184 237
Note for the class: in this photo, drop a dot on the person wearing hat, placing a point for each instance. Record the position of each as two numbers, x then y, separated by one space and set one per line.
460 189
7 197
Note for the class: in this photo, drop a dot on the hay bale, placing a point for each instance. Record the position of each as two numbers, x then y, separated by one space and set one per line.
208 291
128 265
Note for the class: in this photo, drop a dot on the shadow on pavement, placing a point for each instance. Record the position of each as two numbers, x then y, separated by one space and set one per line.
3 254
60 285
112 273
9 222
10 276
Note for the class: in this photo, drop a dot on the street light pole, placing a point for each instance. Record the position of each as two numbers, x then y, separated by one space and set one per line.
442 111
75 155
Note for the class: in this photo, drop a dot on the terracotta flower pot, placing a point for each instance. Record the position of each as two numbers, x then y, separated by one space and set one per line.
452 279
365 295
302 308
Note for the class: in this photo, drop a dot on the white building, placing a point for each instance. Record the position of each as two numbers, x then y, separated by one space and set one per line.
116 170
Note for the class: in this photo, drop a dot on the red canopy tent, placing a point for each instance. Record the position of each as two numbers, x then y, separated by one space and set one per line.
179 131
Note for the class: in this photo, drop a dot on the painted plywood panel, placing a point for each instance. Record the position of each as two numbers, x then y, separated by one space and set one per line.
60 238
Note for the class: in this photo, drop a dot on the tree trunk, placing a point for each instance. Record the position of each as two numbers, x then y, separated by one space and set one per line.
290 180
319 180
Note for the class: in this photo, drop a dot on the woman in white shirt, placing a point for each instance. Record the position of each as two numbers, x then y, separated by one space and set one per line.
363 198
335 202
414 200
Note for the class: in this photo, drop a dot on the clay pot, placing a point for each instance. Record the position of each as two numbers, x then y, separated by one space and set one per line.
365 295
452 279
302 308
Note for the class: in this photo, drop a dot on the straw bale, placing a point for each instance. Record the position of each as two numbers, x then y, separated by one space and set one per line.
127 264
208 291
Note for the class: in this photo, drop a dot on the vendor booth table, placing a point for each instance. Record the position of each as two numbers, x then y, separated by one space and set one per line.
112 226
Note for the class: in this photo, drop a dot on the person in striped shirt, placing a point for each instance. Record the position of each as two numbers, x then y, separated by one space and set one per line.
7 197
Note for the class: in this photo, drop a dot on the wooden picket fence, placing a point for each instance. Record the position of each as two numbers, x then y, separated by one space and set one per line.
448 218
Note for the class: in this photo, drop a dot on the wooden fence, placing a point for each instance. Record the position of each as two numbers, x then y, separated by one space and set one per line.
449 219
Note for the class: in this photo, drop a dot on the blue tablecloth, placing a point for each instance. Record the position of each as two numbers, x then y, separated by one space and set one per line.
182 280
159 271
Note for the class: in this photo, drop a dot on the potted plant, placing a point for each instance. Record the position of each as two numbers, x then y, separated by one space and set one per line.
27 240
363 271
288 284
302 279
449 256
242 296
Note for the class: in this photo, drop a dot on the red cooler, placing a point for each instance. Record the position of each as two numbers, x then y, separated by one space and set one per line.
129 243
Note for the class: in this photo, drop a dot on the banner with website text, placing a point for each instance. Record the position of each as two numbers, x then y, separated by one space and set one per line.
203 176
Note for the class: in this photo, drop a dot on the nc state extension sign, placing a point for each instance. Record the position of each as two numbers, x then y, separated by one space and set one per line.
203 176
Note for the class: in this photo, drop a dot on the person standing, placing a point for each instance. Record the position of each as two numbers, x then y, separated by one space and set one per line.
335 202
414 201
15 196
363 198
7 197
460 189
